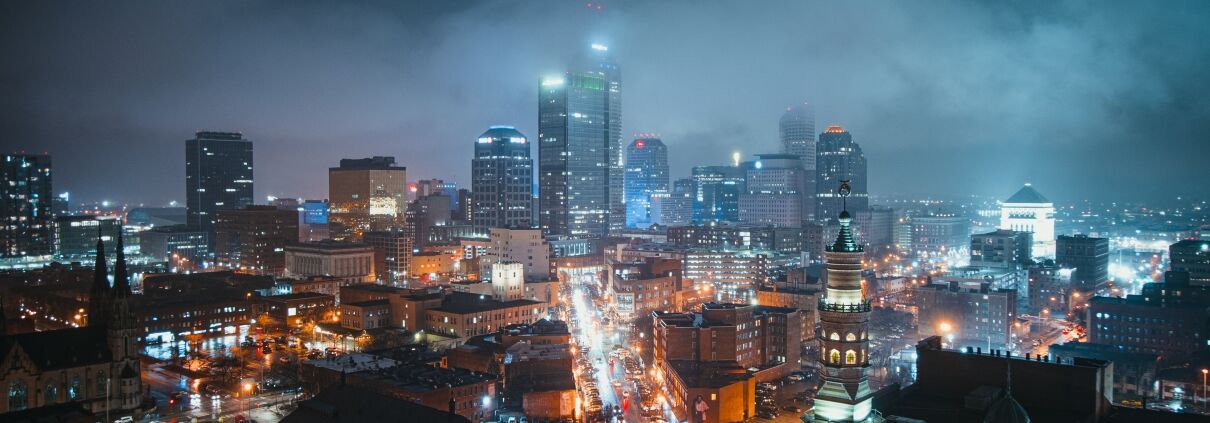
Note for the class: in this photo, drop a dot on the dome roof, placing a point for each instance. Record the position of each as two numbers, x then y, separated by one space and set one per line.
1006 410
502 131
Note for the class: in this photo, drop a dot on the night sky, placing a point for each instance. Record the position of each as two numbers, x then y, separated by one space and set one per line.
1085 99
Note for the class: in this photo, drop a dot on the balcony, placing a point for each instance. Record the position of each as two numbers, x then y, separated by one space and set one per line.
864 307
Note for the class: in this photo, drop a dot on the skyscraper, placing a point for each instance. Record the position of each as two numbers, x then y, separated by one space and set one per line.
218 176
797 132
716 191
646 174
501 180
838 158
25 200
580 149
844 315
365 194
773 195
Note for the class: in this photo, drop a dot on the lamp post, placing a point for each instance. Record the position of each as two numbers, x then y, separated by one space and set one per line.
1204 372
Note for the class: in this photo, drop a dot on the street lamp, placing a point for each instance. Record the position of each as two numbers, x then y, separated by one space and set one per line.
1204 372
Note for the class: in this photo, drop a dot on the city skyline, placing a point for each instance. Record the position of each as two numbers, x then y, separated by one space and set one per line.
1056 119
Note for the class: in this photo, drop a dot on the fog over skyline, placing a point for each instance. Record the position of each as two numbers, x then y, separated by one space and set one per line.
1086 100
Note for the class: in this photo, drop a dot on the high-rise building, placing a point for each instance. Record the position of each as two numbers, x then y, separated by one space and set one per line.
774 195
393 254
502 180
844 315
646 175
1029 211
838 158
75 236
580 149
797 132
425 215
25 203
1170 318
254 238
1090 258
1001 249
940 232
314 221
218 176
716 191
876 226
673 208
1192 256
526 247
365 194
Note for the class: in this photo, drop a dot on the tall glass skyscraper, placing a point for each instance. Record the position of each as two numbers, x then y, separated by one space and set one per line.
502 180
838 158
646 174
25 200
580 149
716 191
218 175
797 132
367 194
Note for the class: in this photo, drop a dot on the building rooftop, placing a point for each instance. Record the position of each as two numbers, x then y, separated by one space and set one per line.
465 303
369 303
697 374
525 351
296 296
329 246
1027 195
351 404
423 378
353 363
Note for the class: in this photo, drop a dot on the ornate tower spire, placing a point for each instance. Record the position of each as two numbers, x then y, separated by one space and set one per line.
844 343
121 280
98 297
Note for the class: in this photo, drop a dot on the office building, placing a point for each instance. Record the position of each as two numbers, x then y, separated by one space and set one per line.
218 176
1028 211
876 227
716 191
673 208
254 238
393 254
646 175
967 312
1089 257
525 246
1170 318
1192 256
349 262
364 195
425 215
580 149
179 245
642 287
76 236
940 232
1050 289
150 217
838 158
796 129
775 187
1001 248
747 237
502 180
314 224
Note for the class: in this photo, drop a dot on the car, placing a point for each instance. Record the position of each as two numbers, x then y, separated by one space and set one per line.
795 377
766 415
792 408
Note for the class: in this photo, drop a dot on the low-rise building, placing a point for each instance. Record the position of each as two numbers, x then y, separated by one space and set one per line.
292 310
363 315
352 263
463 315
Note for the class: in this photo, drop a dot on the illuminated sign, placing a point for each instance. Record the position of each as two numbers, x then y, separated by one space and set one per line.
383 206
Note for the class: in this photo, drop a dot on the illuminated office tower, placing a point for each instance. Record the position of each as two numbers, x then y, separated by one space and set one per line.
646 174
218 176
774 192
364 195
501 180
838 158
25 199
844 315
716 191
797 132
580 149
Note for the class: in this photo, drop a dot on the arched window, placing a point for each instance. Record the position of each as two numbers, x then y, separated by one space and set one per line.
51 394
863 356
17 393
863 335
835 336
100 383
850 337
850 357
835 356
74 390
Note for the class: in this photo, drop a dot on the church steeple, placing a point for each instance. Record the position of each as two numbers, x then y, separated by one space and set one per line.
98 298
121 280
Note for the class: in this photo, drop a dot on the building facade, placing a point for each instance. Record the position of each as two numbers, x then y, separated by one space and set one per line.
254 238
393 254
218 176
525 246
775 192
1029 211
1089 257
1001 249
349 262
646 175
364 195
1191 256
796 129
25 203
716 191
580 149
838 158
502 180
